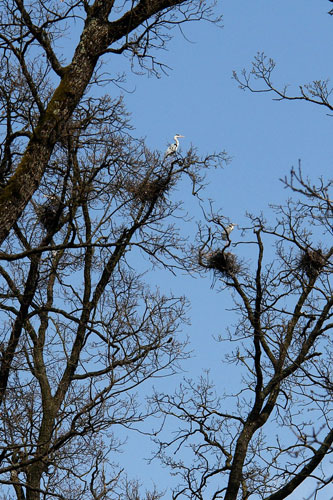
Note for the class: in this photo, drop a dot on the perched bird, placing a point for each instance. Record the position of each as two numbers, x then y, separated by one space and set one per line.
227 231
173 147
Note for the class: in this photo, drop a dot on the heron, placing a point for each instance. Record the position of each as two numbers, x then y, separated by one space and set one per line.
173 147
227 231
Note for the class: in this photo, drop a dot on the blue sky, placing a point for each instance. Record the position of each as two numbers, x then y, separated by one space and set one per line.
265 138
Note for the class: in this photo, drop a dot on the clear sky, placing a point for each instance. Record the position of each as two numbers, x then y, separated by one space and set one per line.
265 138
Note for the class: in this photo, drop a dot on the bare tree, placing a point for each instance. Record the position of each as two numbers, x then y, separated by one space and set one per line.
317 92
80 330
31 57
84 206
275 431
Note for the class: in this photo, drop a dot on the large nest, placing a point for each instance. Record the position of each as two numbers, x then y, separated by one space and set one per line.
312 262
225 263
149 191
49 214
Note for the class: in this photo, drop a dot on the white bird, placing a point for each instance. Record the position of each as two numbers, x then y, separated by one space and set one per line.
173 147
227 231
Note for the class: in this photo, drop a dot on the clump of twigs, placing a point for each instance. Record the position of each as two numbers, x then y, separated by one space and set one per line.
224 263
312 262
149 191
49 213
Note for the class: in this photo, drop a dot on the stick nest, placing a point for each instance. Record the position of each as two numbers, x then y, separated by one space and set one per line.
149 191
312 262
225 263
48 215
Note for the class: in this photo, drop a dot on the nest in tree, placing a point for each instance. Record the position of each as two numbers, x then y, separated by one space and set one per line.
49 215
224 263
311 262
149 191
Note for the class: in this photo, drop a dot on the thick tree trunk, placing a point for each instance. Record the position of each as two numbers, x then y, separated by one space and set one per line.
96 37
